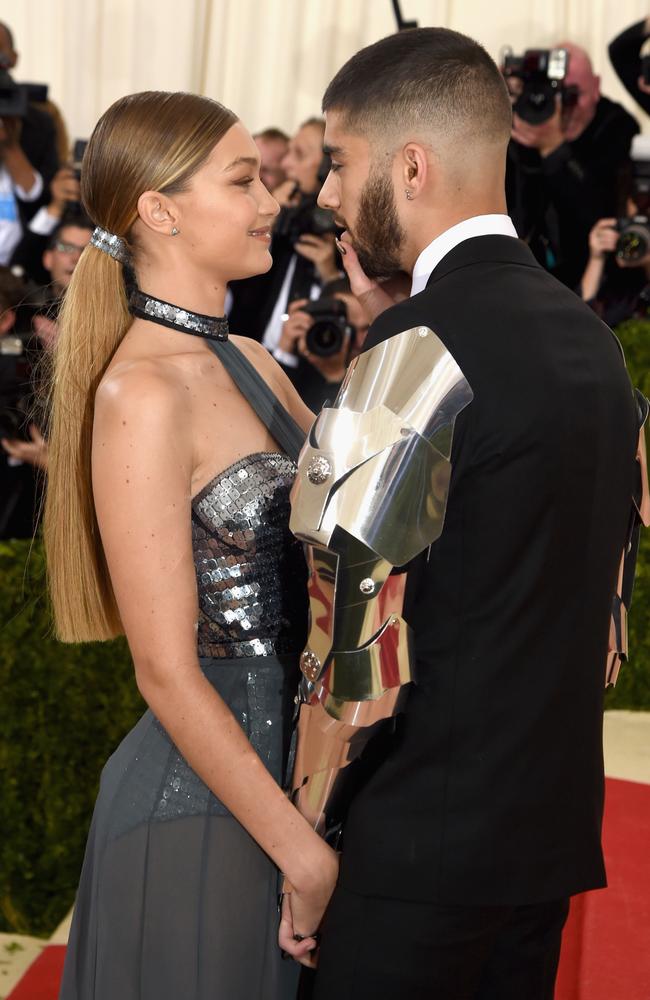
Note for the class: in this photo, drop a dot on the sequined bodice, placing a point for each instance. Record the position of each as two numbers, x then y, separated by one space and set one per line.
250 570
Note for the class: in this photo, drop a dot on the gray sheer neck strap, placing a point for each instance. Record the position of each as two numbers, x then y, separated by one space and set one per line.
281 425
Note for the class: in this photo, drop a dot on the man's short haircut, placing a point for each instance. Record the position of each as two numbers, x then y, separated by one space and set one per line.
314 121
424 79
9 33
272 134
70 218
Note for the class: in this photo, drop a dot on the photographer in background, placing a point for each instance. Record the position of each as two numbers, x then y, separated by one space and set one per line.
319 339
64 200
631 59
302 247
616 281
273 145
23 452
563 163
28 153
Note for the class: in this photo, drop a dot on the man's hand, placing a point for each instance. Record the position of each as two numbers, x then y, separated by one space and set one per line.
320 251
545 138
32 452
371 296
602 239
295 327
303 911
63 188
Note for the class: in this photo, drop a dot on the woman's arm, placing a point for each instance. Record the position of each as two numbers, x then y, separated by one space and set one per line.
142 467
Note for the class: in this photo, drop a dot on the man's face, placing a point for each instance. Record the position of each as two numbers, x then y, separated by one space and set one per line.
360 192
272 152
303 158
580 75
62 259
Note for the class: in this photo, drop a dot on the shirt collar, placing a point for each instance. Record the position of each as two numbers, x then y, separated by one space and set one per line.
479 225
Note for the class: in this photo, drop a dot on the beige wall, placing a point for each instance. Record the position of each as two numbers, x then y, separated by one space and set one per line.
267 59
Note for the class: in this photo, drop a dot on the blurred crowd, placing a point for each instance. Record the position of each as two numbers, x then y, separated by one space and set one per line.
578 191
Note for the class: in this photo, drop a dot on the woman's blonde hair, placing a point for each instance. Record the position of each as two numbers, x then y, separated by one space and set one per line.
150 141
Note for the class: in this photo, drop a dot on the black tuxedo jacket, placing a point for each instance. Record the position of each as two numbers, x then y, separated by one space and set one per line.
490 790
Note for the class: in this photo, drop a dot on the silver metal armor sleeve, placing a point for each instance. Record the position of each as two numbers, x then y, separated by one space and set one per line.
370 495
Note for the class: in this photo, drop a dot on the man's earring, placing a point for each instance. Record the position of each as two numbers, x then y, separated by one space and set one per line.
409 195
175 231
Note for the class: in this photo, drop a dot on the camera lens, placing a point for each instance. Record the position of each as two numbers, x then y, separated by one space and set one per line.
633 243
324 338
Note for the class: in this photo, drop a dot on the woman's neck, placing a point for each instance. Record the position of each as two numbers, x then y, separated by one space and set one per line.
187 290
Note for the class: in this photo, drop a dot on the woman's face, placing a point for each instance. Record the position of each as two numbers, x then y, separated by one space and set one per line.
224 217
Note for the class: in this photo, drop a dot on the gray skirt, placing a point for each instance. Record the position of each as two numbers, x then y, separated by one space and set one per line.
176 901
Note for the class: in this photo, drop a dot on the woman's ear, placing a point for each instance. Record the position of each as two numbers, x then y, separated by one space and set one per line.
158 212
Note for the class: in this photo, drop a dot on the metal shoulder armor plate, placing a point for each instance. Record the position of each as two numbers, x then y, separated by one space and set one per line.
370 494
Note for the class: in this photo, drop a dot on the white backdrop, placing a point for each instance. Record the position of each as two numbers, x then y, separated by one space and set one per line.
269 60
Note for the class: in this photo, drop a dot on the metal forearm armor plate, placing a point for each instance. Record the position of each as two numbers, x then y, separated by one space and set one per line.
370 495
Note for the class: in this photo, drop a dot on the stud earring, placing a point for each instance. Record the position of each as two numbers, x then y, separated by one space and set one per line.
409 195
175 231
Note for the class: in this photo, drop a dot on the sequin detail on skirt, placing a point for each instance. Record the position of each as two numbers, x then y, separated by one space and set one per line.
251 573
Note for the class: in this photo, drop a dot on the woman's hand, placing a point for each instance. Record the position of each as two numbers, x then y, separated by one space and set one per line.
303 908
372 297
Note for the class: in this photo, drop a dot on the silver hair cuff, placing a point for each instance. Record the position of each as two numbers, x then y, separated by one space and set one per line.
111 244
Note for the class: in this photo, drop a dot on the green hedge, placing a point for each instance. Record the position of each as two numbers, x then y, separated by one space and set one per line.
63 709
633 687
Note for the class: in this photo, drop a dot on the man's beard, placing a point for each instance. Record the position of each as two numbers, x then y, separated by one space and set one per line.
378 235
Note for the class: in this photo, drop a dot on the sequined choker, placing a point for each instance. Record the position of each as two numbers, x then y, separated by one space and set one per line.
158 311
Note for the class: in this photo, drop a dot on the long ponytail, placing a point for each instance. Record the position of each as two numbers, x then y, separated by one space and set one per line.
149 141
92 322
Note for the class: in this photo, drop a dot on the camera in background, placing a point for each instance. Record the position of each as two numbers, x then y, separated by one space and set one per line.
331 328
540 76
15 98
634 240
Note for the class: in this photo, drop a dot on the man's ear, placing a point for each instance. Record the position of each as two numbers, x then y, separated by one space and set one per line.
7 321
415 168
158 212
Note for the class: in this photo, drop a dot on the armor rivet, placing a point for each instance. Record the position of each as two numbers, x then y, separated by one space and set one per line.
318 470
423 332
367 586
310 665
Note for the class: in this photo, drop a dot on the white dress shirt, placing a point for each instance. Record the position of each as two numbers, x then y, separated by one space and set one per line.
478 225
11 228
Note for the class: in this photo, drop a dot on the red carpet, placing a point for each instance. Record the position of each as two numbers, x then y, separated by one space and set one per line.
606 945
41 981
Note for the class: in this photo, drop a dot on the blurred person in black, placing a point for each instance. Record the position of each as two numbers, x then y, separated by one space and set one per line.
616 280
64 200
300 265
273 145
626 58
317 376
28 453
22 456
562 174
28 159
